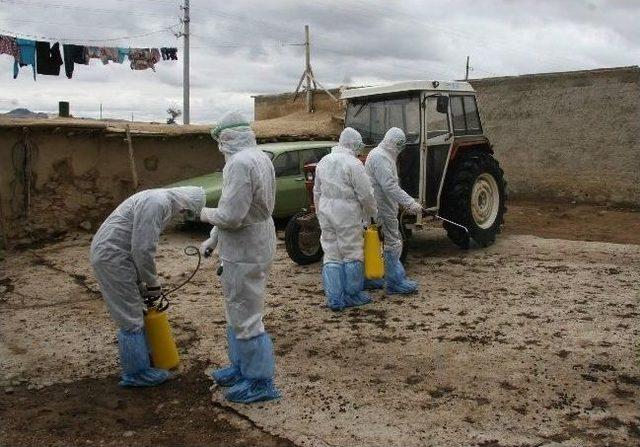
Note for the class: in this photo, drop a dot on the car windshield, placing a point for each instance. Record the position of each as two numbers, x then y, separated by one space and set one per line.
373 117
269 154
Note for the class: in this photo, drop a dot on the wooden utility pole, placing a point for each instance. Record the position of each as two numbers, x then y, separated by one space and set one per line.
185 64
307 53
132 160
466 75
307 74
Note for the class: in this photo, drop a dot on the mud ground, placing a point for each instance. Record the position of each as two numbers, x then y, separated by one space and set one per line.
530 342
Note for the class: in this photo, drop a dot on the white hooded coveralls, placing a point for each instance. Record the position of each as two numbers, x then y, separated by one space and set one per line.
245 230
344 200
382 170
124 247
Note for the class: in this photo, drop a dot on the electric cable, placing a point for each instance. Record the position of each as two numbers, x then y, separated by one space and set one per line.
109 39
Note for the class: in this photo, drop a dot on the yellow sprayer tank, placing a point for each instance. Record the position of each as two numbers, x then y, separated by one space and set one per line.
164 352
373 261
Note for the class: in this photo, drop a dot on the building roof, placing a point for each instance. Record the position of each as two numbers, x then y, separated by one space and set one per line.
445 86
278 148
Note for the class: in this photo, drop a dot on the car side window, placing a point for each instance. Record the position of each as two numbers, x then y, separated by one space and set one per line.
313 155
287 164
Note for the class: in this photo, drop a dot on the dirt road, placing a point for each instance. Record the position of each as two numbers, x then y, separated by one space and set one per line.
530 342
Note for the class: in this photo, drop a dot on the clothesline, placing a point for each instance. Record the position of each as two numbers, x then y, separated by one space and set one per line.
46 59
112 39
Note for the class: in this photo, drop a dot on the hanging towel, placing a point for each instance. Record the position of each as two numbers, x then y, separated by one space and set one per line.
9 46
48 58
74 54
27 50
169 53
123 53
143 58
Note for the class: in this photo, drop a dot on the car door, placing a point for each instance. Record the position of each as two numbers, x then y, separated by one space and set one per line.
290 189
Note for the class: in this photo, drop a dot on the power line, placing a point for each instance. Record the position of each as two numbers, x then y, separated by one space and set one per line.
81 8
69 24
110 39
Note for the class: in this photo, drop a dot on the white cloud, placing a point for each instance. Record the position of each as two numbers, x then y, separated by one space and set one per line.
243 47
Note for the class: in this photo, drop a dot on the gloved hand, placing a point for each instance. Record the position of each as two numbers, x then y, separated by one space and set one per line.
415 208
151 291
208 246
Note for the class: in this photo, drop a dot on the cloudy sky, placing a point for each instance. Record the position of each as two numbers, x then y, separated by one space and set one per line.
245 47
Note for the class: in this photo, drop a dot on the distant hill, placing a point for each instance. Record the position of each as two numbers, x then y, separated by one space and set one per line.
24 113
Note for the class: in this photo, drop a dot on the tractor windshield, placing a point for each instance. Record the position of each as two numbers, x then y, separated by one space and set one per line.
373 117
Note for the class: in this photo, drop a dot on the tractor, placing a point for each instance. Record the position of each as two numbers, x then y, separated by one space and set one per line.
448 164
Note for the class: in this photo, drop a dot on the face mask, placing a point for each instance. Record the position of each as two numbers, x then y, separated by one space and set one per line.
400 145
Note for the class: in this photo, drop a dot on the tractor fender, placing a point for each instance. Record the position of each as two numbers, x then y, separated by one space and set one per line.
479 144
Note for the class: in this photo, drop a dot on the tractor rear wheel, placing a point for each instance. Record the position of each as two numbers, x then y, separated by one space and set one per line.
474 196
302 238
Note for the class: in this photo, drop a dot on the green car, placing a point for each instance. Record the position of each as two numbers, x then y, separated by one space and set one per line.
288 160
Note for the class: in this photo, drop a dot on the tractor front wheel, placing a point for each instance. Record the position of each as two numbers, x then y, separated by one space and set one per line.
302 238
474 196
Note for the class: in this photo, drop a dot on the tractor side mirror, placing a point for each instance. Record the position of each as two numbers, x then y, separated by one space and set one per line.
442 104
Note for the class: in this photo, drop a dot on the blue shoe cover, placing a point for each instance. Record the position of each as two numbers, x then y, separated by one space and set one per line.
358 299
373 284
396 277
229 375
353 277
257 364
333 283
252 390
256 357
135 363
354 283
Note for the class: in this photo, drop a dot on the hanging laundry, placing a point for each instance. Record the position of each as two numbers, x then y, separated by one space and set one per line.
9 46
94 53
123 53
74 54
143 58
169 53
48 58
27 50
110 54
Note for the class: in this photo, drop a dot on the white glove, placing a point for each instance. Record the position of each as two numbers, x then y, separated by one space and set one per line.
415 208
208 246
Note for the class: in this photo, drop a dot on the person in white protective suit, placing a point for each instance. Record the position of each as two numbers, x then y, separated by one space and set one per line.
344 201
381 169
246 240
122 256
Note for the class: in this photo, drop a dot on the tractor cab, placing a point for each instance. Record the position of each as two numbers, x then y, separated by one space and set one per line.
439 118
